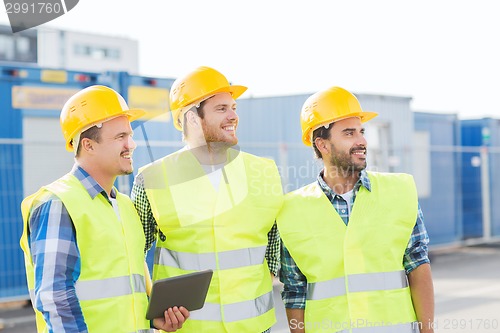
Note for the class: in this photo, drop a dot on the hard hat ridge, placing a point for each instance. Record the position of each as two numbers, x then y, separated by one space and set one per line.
91 106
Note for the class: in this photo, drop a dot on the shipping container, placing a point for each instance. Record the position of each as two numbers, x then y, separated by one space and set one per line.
32 152
270 126
481 177
437 173
30 103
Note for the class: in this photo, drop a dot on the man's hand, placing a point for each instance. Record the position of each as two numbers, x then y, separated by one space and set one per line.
173 319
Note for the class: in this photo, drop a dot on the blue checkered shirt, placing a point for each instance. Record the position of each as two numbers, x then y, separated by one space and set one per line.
56 258
295 283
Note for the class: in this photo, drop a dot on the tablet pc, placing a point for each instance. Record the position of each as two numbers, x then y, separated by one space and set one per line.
188 290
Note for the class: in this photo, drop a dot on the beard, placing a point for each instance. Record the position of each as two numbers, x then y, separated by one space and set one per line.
215 137
127 172
345 164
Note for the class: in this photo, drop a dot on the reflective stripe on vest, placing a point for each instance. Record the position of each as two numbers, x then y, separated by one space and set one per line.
399 328
326 289
151 330
112 287
235 311
202 261
357 283
377 281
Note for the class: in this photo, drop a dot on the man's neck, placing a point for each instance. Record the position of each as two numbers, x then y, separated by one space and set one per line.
209 154
340 181
100 177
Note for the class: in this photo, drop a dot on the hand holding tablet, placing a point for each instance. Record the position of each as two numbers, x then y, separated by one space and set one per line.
188 290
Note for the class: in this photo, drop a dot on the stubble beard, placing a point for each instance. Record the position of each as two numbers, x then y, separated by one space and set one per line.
344 164
216 140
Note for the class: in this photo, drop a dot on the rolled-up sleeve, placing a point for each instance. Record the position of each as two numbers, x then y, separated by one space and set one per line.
417 251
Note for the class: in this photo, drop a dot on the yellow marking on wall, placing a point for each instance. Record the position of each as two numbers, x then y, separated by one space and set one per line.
24 97
153 100
53 76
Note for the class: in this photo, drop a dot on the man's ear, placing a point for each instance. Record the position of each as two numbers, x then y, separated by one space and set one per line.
322 145
192 118
86 144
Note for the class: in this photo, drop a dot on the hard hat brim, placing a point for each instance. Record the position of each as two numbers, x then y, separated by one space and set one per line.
135 114
363 116
235 91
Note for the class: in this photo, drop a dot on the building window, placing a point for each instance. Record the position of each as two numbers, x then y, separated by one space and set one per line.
19 47
113 53
7 48
80 49
96 52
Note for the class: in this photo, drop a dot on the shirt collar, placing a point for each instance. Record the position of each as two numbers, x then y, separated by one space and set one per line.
90 184
362 181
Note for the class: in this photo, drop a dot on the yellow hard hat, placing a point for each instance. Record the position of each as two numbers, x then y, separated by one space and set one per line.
197 86
91 106
328 106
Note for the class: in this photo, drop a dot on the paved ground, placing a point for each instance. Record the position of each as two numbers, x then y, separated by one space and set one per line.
467 286
466 282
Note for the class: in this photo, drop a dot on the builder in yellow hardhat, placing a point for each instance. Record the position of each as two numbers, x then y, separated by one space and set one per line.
351 238
213 207
82 239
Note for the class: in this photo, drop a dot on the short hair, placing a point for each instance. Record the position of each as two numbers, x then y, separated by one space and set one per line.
93 133
199 111
323 133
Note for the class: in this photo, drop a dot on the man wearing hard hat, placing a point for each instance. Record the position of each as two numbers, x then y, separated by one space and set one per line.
354 243
213 207
82 239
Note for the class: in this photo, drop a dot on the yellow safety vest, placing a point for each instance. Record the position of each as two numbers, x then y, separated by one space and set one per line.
111 286
224 230
355 275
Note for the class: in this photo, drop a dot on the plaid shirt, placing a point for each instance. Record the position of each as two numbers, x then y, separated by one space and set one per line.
56 258
151 229
295 283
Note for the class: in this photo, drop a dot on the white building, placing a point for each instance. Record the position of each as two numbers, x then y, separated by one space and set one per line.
53 48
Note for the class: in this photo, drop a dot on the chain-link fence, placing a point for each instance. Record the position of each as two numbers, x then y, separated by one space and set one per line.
457 186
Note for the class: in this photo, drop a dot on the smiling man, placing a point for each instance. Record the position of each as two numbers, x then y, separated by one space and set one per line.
354 243
82 239
213 207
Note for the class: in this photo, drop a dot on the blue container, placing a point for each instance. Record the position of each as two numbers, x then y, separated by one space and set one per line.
441 202
32 94
273 123
24 89
480 134
270 127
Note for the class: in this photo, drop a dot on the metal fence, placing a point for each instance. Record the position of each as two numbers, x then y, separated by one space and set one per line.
12 276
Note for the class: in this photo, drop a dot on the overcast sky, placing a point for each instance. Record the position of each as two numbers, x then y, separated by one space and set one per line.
445 54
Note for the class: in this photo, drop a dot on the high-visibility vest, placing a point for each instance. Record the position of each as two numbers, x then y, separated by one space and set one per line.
224 230
111 286
355 276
